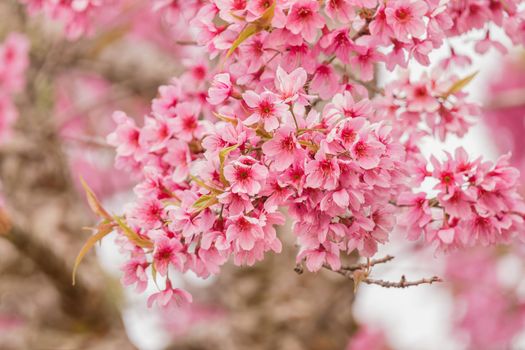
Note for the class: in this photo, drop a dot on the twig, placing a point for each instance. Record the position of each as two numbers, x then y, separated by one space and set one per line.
403 283
359 273
367 265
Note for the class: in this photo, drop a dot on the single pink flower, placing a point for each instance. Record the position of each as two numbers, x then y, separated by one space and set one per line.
244 231
169 98
135 272
367 151
246 176
340 10
406 18
304 19
326 253
324 82
267 108
220 89
283 149
290 85
170 297
126 136
322 172
167 251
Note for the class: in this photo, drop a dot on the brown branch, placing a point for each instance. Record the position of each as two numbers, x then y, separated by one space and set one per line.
359 273
366 265
403 283
79 302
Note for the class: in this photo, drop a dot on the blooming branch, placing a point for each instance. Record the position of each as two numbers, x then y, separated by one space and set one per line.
288 118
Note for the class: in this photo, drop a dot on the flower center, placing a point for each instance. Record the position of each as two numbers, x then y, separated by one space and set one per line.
287 143
360 148
190 123
265 109
304 12
348 135
403 15
242 174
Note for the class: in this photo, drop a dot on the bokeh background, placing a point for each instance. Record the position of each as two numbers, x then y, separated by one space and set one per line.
72 88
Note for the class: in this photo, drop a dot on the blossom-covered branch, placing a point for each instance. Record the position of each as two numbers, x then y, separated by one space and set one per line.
283 119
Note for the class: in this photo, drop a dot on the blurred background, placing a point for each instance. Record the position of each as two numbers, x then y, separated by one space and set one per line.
64 113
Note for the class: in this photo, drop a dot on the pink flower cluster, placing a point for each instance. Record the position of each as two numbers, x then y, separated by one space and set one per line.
288 119
14 60
477 203
428 105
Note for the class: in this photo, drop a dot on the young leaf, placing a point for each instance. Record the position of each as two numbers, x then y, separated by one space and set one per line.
226 119
460 84
204 185
132 235
103 230
204 202
253 28
154 274
222 157
93 201
359 276
247 32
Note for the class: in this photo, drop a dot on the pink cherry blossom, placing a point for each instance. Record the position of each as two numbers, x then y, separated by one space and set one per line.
290 85
244 231
135 272
304 19
406 18
267 108
322 172
168 251
170 297
246 176
283 149
220 89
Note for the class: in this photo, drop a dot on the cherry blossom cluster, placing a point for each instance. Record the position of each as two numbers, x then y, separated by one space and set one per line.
426 105
288 117
14 60
358 33
477 203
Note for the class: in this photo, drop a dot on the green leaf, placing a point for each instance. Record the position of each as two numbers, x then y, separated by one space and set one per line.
93 201
103 230
204 185
247 32
205 201
154 274
132 235
253 28
223 154
460 84
226 119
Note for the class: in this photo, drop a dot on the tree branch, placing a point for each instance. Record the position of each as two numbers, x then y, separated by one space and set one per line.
359 273
79 301
403 283
366 265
